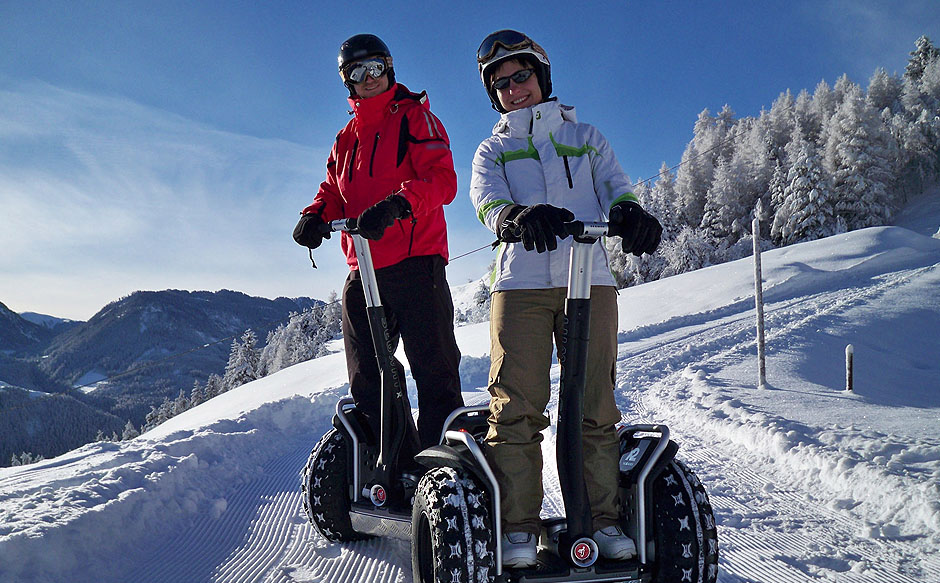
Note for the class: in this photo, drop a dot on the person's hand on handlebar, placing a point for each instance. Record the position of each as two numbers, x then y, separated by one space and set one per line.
639 231
374 220
310 232
537 225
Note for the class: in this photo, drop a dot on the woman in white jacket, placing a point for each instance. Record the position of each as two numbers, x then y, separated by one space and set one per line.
539 169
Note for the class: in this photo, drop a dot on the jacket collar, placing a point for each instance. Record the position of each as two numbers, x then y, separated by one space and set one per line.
372 110
536 120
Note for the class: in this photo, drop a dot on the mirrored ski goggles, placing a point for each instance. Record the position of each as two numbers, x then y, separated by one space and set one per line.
519 77
510 40
356 72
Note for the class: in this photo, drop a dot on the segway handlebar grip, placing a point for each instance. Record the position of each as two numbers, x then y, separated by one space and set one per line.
349 225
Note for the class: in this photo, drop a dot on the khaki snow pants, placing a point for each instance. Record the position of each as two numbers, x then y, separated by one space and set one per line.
523 324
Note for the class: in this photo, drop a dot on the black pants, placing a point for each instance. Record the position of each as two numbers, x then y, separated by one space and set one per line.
419 311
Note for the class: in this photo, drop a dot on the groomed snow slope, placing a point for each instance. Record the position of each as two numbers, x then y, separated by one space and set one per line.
808 482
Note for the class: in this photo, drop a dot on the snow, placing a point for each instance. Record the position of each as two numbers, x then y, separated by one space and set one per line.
809 482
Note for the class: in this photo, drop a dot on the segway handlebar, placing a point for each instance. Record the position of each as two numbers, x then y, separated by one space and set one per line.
349 225
589 230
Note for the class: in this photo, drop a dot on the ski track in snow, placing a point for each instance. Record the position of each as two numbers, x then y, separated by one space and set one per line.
782 534
791 506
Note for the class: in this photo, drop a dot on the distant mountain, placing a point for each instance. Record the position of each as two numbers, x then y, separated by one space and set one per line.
141 333
20 336
50 322
131 355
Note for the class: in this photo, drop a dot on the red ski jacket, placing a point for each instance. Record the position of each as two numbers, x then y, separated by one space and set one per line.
393 144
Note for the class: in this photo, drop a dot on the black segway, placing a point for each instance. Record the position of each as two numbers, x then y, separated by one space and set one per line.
456 516
354 484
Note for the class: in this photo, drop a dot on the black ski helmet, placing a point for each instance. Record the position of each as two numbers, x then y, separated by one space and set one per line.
358 47
508 44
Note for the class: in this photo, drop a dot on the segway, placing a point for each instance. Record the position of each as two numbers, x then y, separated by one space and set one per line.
355 484
455 521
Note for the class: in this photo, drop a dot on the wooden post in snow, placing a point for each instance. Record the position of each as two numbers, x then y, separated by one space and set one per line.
849 366
759 304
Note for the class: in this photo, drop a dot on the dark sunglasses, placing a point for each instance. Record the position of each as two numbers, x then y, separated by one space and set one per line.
509 39
519 77
356 72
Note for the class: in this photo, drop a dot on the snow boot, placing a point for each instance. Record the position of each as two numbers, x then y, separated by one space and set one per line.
518 550
613 544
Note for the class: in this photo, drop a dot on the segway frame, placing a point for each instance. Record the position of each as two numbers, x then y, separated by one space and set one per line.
372 483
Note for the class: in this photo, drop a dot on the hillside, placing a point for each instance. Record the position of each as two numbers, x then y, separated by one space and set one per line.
119 360
808 482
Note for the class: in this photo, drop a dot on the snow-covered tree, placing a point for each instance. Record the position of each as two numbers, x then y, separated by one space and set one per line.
130 432
198 394
662 201
807 211
181 403
303 337
724 205
884 91
710 143
861 157
242 364
808 116
825 102
922 56
780 121
214 386
688 251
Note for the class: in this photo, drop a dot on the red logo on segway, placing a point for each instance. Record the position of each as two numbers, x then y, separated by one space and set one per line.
378 495
582 551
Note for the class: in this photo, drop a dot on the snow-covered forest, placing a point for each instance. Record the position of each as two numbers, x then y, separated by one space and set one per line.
838 159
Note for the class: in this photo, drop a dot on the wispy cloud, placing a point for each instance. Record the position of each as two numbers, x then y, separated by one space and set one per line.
874 33
101 196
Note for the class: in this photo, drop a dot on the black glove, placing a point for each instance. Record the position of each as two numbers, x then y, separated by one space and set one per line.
539 224
374 220
309 231
639 231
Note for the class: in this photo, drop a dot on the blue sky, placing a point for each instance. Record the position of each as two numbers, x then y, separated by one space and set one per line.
170 145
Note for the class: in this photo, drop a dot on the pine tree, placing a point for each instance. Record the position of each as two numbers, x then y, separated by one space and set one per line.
781 119
302 337
181 403
825 102
662 201
860 156
243 360
807 212
198 395
214 386
690 250
884 91
922 56
709 145
130 432
807 116
778 185
723 205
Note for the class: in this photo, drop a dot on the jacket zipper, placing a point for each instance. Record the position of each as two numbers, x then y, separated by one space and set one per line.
352 159
375 146
568 172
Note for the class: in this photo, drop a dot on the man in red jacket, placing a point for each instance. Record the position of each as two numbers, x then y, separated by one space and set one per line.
391 167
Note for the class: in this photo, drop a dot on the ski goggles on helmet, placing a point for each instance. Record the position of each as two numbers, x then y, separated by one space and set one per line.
356 72
519 77
510 40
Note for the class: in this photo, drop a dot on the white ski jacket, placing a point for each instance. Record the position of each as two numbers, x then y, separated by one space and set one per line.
541 154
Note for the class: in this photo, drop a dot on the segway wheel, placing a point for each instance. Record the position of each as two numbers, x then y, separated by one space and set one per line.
452 540
686 539
325 488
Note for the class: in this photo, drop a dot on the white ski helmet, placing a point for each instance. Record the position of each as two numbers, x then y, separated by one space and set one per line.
507 44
